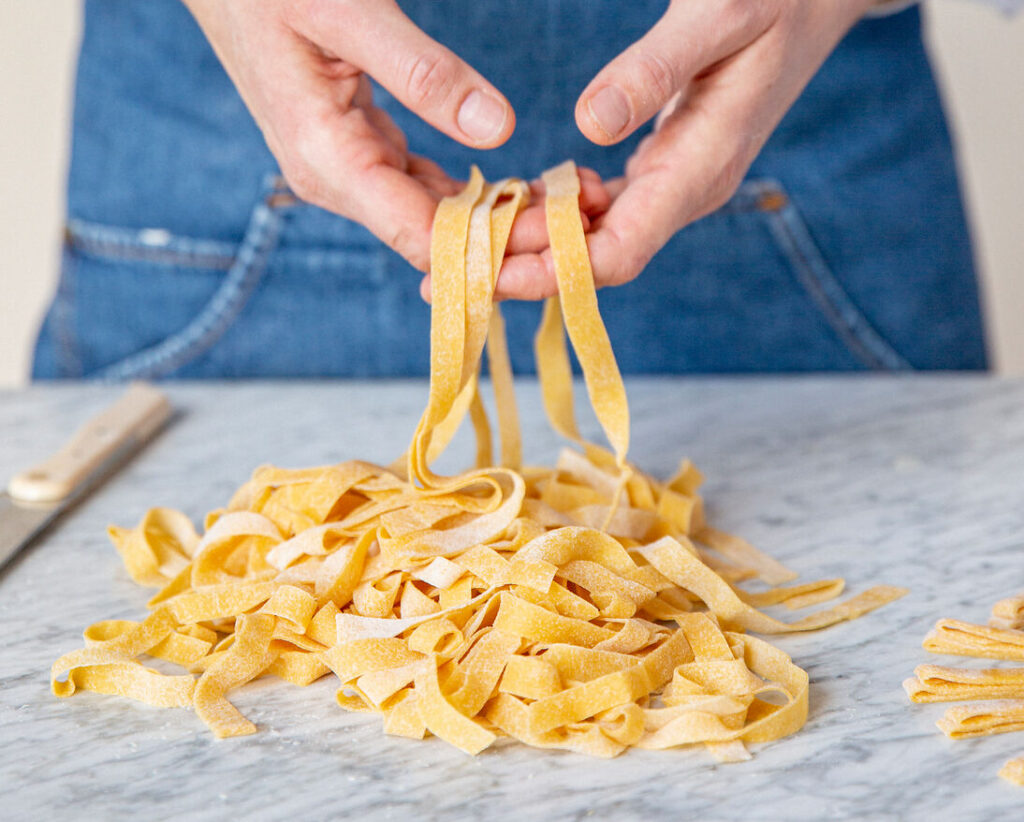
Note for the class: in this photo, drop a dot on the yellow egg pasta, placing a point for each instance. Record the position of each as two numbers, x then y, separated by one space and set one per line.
584 606
935 683
1003 688
1008 613
1013 771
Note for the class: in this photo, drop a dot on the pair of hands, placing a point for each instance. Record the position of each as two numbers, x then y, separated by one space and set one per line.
717 74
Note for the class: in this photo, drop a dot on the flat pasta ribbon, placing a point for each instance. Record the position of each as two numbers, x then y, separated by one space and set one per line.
1002 688
585 606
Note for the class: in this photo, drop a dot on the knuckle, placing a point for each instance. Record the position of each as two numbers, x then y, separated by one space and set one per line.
784 13
431 78
303 181
657 76
399 237
630 269
726 183
625 260
314 16
716 200
299 162
296 12
735 11
741 15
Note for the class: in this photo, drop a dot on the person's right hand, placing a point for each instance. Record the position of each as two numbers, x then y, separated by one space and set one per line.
301 66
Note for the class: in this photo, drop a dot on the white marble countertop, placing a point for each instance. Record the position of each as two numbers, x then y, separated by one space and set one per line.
917 481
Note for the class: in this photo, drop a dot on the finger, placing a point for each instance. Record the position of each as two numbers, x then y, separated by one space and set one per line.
398 210
682 172
594 196
334 156
382 121
422 74
615 187
418 164
433 176
340 162
439 189
523 272
522 277
667 110
363 96
688 38
532 276
527 277
695 162
529 233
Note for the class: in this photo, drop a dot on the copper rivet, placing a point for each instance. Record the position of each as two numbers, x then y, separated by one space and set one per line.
280 199
772 201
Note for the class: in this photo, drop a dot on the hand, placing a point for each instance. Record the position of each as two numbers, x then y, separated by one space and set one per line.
302 66
529 236
720 75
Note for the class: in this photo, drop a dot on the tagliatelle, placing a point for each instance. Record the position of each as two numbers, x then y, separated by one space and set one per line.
1013 771
935 683
586 606
1003 687
1008 613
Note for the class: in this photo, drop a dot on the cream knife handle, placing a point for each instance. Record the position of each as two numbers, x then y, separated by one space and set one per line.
110 436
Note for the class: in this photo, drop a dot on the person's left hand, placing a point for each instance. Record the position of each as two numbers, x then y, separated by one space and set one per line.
720 75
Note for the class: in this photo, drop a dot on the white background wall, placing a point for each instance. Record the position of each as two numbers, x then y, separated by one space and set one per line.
980 56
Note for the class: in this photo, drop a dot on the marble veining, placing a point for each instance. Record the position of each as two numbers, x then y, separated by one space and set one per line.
916 481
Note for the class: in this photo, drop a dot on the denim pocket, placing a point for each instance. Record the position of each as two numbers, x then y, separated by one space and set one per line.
793 239
743 290
145 303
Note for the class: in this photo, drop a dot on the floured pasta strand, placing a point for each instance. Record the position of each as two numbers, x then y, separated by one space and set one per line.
1008 613
1013 771
999 716
1002 687
577 298
566 606
951 636
935 683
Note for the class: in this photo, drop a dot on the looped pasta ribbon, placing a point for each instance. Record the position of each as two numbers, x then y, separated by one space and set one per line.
585 606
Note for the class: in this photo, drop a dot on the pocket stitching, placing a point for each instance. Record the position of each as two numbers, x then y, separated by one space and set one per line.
794 241
120 244
223 307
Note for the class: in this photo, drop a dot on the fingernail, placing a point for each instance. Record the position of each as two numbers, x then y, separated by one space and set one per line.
610 110
481 116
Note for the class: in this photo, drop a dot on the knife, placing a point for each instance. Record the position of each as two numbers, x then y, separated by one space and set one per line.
36 497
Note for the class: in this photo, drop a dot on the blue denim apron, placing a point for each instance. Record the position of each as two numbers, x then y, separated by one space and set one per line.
845 248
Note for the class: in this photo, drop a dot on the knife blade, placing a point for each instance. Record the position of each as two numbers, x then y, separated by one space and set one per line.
36 497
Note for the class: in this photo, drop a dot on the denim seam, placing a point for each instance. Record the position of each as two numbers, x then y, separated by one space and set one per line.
747 198
219 312
68 357
130 244
813 273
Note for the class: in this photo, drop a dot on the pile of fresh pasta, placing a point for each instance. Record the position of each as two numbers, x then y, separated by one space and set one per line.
1002 689
585 606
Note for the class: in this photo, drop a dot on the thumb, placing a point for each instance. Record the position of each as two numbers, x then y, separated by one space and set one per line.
638 83
423 75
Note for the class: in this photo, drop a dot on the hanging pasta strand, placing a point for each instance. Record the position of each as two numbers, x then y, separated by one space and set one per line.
566 606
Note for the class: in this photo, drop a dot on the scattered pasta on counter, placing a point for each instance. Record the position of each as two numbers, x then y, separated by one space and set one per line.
585 606
1002 688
